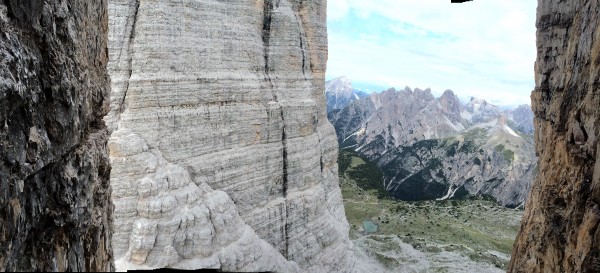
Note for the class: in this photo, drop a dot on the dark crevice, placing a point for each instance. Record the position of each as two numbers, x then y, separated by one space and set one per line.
285 182
266 36
25 14
266 39
9 12
130 54
303 55
321 161
301 33
285 159
581 125
287 234
266 32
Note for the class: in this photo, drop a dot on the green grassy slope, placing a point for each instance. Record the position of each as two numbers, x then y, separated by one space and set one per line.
447 233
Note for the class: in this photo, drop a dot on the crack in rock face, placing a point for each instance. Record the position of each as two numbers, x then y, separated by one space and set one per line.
222 156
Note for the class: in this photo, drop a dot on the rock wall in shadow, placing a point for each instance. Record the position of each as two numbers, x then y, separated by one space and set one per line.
560 229
55 210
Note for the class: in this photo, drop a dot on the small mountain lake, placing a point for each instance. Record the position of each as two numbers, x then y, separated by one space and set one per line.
369 226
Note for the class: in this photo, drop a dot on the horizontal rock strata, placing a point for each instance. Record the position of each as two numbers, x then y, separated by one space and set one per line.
222 155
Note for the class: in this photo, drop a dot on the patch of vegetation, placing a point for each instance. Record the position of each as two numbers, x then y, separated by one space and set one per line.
452 147
508 154
468 146
344 159
475 227
475 135
499 148
365 173
477 161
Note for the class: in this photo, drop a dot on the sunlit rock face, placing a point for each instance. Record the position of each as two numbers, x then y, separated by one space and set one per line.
55 210
560 230
221 151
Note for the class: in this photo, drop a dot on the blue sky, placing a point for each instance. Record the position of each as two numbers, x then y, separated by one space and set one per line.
482 48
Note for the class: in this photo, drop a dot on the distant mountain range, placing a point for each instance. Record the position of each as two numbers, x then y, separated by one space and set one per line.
339 93
437 148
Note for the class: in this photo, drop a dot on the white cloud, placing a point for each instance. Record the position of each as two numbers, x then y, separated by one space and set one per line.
337 9
481 48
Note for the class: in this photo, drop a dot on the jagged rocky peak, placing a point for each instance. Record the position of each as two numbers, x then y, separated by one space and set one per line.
393 118
341 85
449 100
451 105
560 231
55 209
479 110
425 94
523 118
339 93
222 154
429 148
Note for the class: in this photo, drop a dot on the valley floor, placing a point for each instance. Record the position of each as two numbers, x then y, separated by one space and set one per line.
427 236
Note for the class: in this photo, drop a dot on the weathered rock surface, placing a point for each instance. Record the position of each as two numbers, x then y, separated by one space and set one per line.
55 210
437 148
560 231
221 151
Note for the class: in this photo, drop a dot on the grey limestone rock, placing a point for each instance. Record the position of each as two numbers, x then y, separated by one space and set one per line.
221 150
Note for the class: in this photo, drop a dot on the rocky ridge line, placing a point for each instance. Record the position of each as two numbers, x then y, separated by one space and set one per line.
437 148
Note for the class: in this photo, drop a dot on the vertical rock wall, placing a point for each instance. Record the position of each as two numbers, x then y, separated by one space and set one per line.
560 230
221 151
55 210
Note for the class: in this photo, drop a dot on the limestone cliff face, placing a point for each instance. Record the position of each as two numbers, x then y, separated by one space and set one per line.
55 210
221 151
560 230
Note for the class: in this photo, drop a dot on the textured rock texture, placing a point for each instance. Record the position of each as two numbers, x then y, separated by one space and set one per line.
561 226
55 210
437 148
221 151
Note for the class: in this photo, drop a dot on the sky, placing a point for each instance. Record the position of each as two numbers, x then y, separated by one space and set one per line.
483 48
